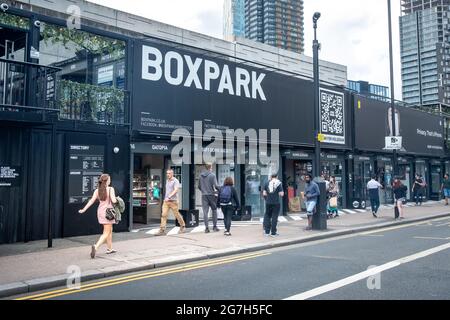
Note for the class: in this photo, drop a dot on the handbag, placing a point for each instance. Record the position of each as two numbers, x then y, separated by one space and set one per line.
111 213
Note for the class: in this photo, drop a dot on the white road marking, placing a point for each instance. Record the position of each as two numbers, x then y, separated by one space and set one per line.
349 211
361 210
174 231
363 275
282 219
431 238
152 232
198 229
296 218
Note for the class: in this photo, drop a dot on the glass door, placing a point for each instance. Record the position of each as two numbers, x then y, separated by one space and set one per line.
301 170
404 171
363 171
385 178
335 169
255 179
436 181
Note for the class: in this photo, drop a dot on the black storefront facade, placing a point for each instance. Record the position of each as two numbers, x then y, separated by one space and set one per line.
150 88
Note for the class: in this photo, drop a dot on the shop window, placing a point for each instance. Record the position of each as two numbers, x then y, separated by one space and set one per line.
91 85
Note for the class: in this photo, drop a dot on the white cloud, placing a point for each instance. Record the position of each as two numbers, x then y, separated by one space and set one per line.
352 32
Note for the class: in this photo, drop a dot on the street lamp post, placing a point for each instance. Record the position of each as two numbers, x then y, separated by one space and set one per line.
316 48
391 61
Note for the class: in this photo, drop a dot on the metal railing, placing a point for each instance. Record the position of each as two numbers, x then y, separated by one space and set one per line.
29 87
25 87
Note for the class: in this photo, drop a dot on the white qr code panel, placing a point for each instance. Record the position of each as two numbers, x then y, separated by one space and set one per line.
332 116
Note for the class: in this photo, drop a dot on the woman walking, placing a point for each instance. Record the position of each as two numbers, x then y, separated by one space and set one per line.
333 195
400 197
228 202
106 196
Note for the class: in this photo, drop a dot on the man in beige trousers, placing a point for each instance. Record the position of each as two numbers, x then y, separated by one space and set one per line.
171 202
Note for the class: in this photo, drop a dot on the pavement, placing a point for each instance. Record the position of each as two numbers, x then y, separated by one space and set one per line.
31 267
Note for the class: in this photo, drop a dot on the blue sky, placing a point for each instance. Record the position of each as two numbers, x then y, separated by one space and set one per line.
352 32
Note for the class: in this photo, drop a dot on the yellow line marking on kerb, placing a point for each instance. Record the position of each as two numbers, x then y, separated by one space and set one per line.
141 276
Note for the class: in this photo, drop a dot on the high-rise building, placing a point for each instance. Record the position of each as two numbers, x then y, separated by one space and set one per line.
375 91
279 23
233 19
425 51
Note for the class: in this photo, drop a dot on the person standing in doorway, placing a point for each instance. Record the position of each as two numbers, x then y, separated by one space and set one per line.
272 193
445 188
311 195
209 187
399 190
417 190
106 196
373 187
171 203
229 203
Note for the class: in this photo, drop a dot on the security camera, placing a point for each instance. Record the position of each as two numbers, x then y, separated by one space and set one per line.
116 150
4 7
37 24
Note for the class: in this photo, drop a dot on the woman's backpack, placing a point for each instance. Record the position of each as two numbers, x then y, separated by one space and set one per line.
225 195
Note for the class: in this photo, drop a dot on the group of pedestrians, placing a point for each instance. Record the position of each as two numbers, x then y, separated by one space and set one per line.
226 198
399 191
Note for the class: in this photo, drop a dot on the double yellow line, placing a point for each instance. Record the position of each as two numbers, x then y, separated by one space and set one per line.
141 276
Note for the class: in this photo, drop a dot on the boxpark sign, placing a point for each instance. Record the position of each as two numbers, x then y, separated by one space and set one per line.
175 87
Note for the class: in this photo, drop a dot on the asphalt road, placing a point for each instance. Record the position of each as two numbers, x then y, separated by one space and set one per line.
329 269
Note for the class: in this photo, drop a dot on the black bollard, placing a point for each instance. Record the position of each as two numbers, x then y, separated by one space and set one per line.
320 216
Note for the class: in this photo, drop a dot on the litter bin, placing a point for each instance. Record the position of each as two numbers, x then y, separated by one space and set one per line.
191 218
320 216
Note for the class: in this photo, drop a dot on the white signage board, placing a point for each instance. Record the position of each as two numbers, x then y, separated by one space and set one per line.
394 143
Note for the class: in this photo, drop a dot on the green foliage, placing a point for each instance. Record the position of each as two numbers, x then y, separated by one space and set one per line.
86 102
14 21
92 43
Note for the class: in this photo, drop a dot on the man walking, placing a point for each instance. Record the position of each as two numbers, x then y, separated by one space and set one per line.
373 188
272 193
210 190
312 193
171 202
446 188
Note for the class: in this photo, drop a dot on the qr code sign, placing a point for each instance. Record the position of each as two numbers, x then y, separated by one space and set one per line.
332 116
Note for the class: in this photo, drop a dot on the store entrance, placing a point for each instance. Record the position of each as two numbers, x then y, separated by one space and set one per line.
436 181
385 178
149 178
363 171
335 168
296 171
222 171
256 178
404 174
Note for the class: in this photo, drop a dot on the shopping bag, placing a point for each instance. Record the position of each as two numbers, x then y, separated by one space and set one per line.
334 202
295 205
220 215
